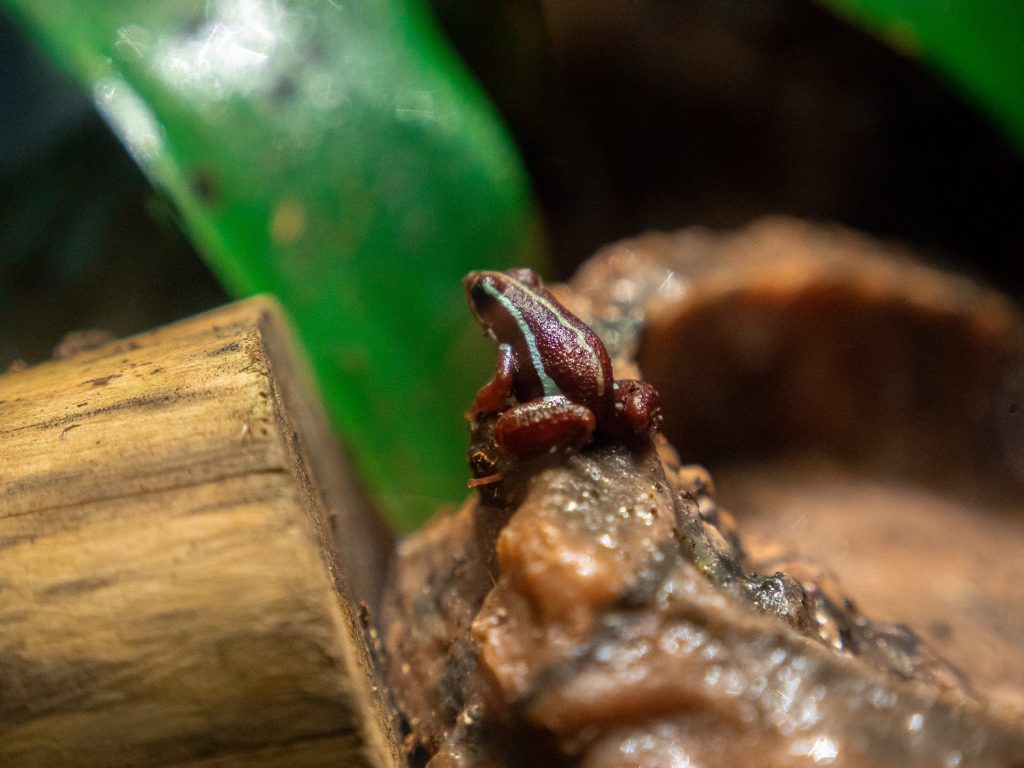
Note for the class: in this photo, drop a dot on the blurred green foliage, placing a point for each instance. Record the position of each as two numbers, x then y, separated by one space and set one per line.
979 44
336 155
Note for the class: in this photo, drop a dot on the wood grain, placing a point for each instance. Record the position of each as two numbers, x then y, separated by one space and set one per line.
182 559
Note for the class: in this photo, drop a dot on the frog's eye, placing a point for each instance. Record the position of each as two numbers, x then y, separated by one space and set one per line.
526 276
480 294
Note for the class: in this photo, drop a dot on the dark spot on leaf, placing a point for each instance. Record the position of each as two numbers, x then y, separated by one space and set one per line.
191 27
314 49
203 186
284 89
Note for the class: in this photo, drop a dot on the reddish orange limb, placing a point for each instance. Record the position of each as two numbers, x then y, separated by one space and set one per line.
491 395
476 482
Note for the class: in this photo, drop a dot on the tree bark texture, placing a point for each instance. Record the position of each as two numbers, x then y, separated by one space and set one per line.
183 558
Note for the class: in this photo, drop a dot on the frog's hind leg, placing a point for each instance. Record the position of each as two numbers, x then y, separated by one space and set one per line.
549 424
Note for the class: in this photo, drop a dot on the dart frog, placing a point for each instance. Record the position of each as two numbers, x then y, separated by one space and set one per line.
553 386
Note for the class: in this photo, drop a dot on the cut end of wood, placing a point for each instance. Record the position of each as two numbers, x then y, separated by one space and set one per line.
184 558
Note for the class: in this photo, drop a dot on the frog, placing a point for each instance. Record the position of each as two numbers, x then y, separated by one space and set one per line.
553 390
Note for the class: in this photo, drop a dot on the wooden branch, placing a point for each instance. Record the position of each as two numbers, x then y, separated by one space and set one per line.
172 591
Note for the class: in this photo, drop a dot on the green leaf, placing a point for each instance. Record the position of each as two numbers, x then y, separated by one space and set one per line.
979 44
334 154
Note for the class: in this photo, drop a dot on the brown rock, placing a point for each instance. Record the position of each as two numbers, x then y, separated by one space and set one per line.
600 610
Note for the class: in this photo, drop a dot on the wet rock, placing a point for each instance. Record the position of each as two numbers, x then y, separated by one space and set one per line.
603 609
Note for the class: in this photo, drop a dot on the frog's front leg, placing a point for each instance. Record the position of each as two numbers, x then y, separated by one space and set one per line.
637 411
546 424
491 396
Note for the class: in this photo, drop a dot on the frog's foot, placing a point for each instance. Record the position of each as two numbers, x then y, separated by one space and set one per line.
637 411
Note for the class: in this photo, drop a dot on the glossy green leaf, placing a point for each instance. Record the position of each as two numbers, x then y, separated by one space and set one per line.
336 155
979 44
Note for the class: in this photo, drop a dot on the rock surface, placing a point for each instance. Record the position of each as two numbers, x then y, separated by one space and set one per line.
601 610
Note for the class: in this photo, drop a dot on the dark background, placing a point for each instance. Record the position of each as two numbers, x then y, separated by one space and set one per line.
629 116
